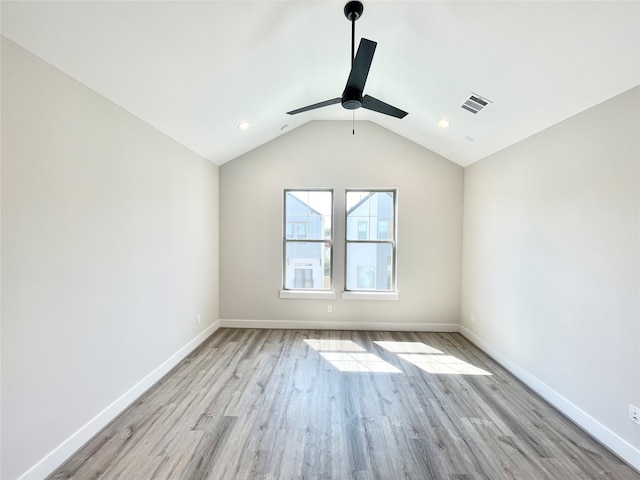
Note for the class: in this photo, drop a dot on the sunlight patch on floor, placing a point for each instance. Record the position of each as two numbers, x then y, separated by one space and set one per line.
359 362
407 347
430 359
348 356
334 345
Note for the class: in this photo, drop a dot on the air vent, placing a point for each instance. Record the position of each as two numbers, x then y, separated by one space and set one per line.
475 103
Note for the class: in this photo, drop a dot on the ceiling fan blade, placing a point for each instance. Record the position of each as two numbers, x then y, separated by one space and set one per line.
361 64
315 105
371 103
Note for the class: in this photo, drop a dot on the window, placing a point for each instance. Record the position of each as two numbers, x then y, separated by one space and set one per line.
303 278
307 239
370 240
362 230
296 230
383 230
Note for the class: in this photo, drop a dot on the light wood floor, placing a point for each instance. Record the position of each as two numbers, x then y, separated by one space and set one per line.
293 404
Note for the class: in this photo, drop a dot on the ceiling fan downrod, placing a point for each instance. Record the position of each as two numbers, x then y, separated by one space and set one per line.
353 11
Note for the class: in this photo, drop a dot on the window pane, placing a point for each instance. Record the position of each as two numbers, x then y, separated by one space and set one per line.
369 266
307 265
370 215
308 215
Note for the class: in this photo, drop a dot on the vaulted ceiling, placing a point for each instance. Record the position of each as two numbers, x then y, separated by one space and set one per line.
196 70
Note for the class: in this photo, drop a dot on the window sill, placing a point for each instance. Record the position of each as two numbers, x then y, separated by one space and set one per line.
329 295
370 296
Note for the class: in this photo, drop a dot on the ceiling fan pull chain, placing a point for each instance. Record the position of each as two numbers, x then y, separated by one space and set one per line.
353 121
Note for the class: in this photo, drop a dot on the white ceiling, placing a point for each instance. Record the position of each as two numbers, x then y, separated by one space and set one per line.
195 70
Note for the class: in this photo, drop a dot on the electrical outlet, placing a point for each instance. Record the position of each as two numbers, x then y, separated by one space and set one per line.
634 414
473 318
329 308
198 319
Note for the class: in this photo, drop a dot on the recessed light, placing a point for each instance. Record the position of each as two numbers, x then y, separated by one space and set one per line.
284 127
243 125
469 139
443 123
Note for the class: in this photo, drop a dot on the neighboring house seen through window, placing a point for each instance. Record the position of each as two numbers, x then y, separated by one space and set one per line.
307 239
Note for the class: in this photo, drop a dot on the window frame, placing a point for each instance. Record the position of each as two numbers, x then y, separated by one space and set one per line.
357 293
297 292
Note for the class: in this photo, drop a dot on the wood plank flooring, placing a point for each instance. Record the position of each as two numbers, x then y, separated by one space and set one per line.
302 404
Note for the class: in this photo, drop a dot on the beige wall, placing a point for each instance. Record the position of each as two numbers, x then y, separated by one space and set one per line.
326 154
109 251
551 265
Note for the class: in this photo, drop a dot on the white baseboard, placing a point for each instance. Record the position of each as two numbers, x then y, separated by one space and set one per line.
338 325
62 452
615 443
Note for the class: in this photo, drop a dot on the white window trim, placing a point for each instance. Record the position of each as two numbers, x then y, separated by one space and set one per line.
351 295
312 294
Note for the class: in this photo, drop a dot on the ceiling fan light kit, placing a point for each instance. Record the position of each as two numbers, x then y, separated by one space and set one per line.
352 97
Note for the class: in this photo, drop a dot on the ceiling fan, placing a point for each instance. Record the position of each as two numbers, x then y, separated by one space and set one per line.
352 97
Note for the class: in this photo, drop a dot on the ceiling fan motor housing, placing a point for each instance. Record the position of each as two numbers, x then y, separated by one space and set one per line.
351 98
